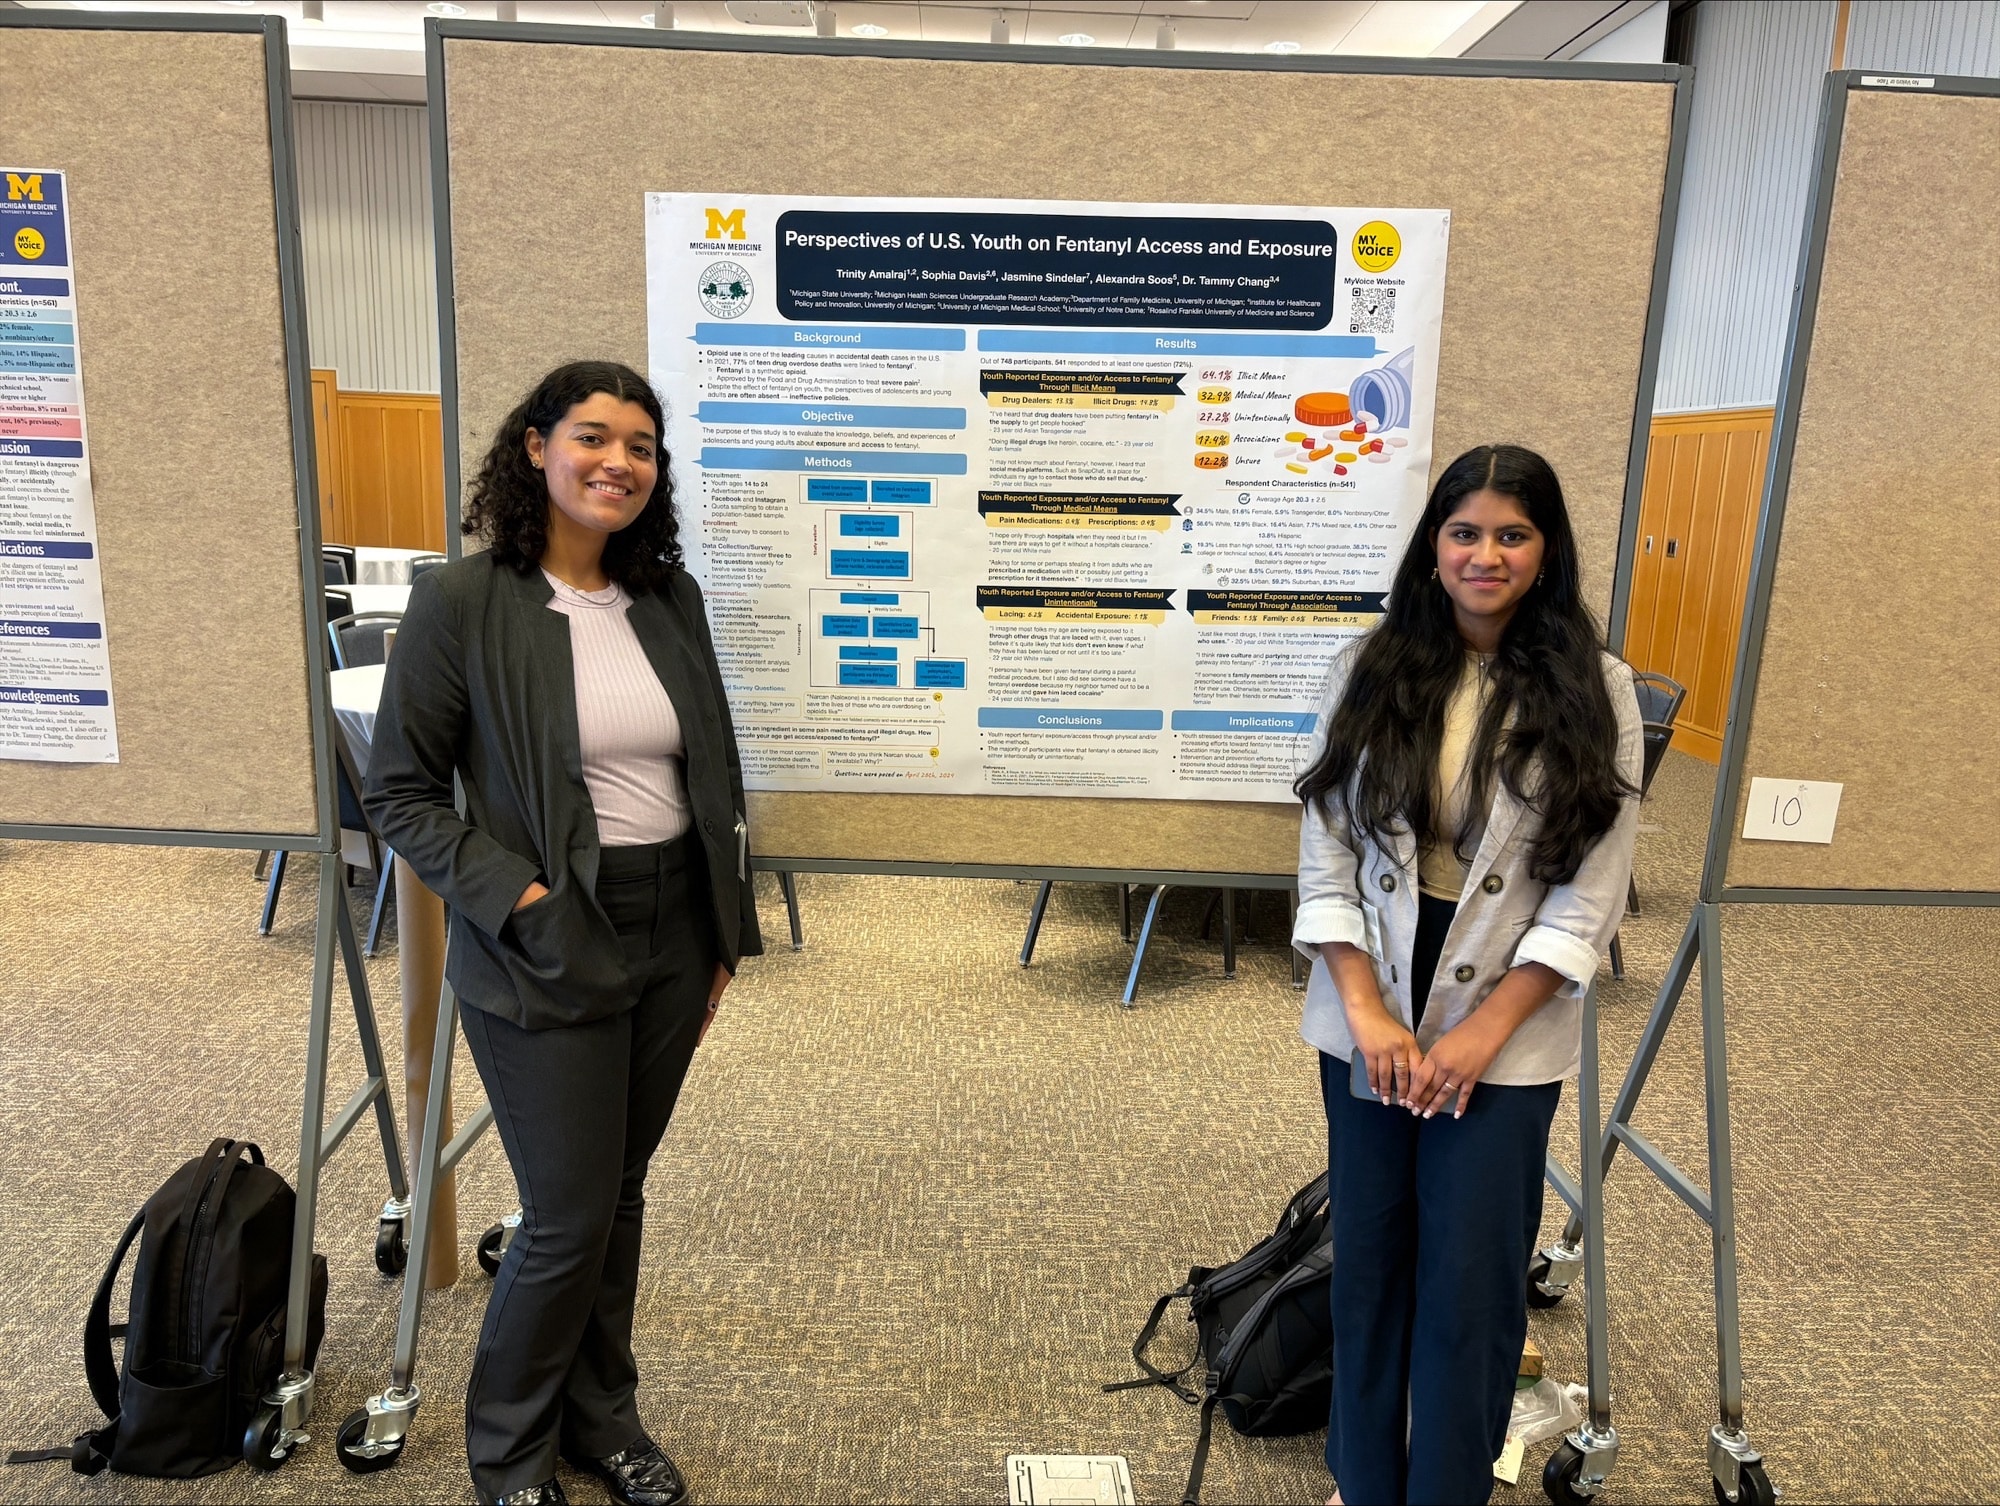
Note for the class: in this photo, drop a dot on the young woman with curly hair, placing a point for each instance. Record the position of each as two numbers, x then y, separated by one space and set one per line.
598 885
1463 862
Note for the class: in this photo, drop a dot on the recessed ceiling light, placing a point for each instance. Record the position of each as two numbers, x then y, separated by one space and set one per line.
1284 47
444 8
1077 39
870 30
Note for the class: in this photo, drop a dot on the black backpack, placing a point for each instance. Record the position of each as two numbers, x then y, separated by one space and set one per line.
205 1338
1264 1334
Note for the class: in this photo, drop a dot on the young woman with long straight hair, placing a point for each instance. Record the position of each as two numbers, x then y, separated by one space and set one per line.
598 883
1463 862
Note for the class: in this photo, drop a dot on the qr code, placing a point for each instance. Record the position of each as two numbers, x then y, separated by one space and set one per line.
1372 312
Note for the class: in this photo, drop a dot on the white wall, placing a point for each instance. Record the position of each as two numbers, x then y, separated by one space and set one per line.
1643 39
365 230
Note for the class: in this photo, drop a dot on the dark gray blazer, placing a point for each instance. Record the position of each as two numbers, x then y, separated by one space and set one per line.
481 685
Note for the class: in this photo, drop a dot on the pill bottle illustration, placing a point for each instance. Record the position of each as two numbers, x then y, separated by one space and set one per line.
1382 396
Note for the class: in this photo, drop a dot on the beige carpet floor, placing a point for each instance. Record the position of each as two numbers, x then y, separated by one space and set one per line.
917 1200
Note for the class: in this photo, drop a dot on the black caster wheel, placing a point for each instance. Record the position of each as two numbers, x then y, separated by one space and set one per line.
264 1445
1560 1476
359 1460
491 1247
1538 1272
392 1250
1755 1488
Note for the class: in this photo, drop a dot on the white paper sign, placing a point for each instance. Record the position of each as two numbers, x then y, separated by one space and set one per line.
1790 810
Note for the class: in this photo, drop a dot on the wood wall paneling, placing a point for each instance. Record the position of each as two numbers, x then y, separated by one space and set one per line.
392 469
326 452
1697 520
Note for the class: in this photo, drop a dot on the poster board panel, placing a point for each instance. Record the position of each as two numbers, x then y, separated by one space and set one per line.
1878 655
1556 188
165 136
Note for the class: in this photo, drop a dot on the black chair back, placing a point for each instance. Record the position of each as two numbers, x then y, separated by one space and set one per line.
423 564
338 604
357 638
333 572
338 562
1660 696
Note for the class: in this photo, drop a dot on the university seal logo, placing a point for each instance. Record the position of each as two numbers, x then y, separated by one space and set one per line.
725 289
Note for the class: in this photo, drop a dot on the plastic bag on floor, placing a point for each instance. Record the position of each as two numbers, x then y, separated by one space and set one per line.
1543 1410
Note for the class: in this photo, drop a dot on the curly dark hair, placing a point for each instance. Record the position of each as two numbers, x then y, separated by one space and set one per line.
509 502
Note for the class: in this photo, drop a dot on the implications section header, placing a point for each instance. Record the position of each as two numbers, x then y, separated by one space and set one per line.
1132 271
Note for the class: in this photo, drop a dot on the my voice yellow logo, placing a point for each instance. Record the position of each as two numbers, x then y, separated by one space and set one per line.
1377 244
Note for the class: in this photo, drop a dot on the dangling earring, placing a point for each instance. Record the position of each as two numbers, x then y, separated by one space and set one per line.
1434 572
1540 576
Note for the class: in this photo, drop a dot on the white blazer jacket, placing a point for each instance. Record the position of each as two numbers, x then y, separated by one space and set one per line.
1367 896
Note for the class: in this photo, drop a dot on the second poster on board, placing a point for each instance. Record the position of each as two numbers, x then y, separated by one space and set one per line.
1009 497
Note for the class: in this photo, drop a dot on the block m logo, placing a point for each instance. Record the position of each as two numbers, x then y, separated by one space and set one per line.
724 226
30 188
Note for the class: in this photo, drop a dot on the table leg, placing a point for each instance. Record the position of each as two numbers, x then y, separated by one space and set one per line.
420 951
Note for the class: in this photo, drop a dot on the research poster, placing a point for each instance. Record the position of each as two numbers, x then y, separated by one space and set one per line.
55 667
1040 498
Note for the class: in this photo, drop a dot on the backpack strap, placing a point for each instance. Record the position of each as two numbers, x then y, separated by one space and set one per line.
91 1452
1192 1495
1155 1376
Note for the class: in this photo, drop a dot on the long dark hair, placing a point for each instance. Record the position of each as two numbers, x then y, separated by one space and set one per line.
1548 729
509 504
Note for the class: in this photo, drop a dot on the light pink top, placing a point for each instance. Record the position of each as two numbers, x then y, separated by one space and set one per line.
630 735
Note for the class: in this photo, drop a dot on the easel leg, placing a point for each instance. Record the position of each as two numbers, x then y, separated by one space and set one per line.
1229 935
1145 935
1124 911
391 1235
788 885
1737 1467
292 1395
1035 922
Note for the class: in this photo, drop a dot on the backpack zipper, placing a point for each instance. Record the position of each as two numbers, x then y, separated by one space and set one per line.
191 1288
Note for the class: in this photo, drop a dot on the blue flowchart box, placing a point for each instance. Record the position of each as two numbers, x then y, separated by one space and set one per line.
870 525
835 489
905 492
850 651
831 626
895 627
868 674
940 674
893 563
869 598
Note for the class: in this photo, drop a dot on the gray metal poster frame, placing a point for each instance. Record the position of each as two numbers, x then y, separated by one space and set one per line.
438 32
1736 1466
374 1437
279 1428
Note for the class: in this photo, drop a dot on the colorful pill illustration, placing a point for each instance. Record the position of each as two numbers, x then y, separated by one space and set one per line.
1341 470
1346 456
1375 445
1321 453
1397 441
1290 465
1360 426
1349 436
1378 458
1299 436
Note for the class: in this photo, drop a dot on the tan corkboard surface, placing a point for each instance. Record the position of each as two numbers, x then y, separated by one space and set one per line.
1881 658
1555 190
165 138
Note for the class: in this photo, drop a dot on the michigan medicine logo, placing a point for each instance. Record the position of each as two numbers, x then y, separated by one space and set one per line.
724 226
30 188
725 289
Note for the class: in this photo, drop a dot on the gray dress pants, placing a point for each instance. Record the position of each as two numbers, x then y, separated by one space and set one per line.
580 1110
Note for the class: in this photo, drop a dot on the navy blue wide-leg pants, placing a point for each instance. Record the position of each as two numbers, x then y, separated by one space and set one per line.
1434 1221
